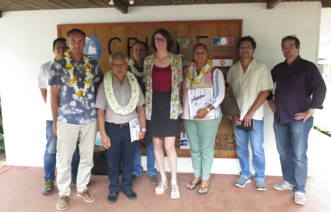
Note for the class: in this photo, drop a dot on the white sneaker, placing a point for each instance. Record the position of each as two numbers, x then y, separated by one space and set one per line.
283 186
299 198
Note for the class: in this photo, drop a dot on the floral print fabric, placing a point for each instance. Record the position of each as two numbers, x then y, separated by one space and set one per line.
74 109
177 77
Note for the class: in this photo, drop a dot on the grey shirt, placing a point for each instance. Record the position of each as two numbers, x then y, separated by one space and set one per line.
74 109
123 96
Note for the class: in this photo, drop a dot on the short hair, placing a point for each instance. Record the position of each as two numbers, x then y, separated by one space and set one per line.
59 40
166 35
118 55
141 42
200 44
247 38
291 37
75 31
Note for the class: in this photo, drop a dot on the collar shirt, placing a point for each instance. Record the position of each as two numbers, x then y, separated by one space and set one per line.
298 88
247 86
74 109
122 94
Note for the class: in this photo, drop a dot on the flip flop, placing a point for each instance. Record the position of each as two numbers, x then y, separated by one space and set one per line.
205 192
193 184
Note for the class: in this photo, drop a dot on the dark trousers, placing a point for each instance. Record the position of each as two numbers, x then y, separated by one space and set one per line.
120 155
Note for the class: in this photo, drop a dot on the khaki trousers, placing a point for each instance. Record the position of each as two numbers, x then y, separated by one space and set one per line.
67 135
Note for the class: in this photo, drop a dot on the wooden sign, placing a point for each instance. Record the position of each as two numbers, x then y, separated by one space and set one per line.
220 37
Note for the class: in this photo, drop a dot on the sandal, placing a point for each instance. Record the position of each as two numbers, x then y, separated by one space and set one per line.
161 187
174 192
193 184
204 192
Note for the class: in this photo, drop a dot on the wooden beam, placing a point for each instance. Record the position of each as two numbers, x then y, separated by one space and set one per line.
177 2
152 2
140 3
89 4
16 6
36 6
326 4
119 5
272 3
188 2
201 1
225 1
65 4
101 3
237 1
213 1
164 2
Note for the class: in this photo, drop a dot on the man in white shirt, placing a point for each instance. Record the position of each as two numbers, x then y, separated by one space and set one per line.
59 47
251 82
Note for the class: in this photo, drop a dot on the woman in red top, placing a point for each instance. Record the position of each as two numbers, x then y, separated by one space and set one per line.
165 72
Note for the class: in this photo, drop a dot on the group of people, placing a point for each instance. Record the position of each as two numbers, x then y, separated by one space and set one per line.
153 89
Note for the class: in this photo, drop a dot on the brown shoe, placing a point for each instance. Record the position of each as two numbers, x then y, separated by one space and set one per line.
62 203
87 196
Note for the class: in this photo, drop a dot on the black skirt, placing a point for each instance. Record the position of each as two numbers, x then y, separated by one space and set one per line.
160 124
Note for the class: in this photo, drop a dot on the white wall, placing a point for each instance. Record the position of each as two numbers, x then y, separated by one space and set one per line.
26 39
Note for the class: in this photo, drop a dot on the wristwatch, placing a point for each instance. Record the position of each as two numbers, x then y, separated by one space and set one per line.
208 109
145 130
308 111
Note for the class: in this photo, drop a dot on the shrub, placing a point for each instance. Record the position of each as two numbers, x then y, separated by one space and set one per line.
2 143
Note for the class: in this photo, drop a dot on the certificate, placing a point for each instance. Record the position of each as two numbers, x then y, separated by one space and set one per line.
134 129
200 98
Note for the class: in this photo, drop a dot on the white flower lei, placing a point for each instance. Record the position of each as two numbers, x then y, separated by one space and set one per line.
73 80
134 70
192 68
109 91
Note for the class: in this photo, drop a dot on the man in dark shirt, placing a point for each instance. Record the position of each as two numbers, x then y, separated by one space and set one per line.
136 66
300 89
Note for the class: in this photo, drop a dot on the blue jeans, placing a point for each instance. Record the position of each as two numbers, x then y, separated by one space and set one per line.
50 155
138 169
292 145
256 139
120 155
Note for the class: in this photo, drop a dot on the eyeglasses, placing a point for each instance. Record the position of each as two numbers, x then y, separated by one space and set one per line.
118 65
293 35
162 40
200 53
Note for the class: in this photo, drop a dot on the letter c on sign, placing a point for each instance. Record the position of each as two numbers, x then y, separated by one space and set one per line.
109 43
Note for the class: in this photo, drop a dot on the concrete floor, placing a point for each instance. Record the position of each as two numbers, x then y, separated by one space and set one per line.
20 190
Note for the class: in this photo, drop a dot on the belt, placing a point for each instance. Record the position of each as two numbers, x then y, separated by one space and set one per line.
121 125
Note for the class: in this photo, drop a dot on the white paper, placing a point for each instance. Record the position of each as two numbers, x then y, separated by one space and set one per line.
200 98
134 129
184 144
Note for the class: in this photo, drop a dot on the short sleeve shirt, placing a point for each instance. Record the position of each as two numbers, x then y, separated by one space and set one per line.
123 95
74 109
43 78
247 86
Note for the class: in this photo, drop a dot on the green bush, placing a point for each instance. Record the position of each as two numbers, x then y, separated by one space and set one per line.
2 143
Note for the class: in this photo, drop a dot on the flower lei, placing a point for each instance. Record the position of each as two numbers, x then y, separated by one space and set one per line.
73 80
134 70
109 91
203 72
